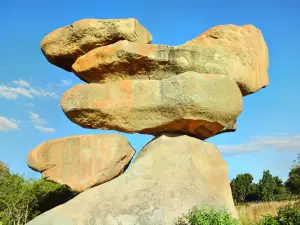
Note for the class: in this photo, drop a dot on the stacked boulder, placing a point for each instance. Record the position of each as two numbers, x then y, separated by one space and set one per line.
180 94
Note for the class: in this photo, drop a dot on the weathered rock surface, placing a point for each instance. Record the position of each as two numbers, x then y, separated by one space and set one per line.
82 161
170 175
126 60
248 44
196 104
64 45
228 128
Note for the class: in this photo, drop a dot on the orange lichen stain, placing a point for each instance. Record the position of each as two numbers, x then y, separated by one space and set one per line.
105 103
94 57
106 50
83 21
144 49
89 168
126 92
53 34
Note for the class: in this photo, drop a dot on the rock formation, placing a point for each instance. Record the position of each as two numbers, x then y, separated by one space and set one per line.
171 174
196 104
180 94
83 161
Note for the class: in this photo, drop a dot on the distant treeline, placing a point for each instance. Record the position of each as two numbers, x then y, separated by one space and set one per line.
269 187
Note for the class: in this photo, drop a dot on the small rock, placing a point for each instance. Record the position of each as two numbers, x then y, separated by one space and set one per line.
82 161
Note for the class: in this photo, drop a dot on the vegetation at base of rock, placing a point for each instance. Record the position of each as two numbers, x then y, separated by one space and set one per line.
22 200
286 215
207 216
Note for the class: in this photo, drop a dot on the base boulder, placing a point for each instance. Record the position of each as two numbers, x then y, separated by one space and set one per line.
170 175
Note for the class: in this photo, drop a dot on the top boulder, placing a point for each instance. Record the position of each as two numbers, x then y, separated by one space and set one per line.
245 42
64 45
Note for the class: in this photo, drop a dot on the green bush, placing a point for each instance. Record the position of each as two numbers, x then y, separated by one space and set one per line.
286 215
4 171
269 220
289 214
207 216
21 200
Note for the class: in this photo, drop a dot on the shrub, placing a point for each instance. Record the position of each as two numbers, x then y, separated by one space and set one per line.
269 220
21 200
287 215
4 171
207 216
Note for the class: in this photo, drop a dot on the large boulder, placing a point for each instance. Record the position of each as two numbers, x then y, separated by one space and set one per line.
200 105
248 44
126 60
82 161
171 175
64 45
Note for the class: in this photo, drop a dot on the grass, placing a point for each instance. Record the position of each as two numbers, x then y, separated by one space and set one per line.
251 213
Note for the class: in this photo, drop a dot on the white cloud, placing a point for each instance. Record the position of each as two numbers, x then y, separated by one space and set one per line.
23 83
7 125
25 90
39 123
66 82
264 143
30 104
45 129
7 94
13 93
35 118
43 93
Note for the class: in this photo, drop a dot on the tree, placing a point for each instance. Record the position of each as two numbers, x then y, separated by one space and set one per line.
271 188
4 171
254 194
280 192
293 181
14 203
241 186
21 200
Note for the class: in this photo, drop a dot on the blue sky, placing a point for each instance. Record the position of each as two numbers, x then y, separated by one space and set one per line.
268 134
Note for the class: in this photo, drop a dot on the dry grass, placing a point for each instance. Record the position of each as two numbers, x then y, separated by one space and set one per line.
252 213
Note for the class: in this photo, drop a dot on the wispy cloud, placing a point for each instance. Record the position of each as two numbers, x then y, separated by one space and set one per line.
61 84
23 88
7 124
23 83
35 118
66 82
39 123
30 104
13 92
42 93
45 129
264 143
